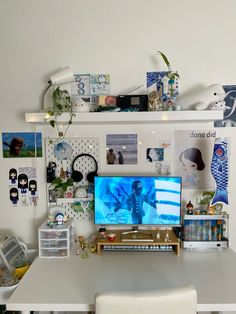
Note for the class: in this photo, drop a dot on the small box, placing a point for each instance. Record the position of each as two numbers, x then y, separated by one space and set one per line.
133 102
106 101
56 241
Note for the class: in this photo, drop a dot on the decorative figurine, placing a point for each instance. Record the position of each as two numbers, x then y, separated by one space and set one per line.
59 219
189 208
210 210
102 232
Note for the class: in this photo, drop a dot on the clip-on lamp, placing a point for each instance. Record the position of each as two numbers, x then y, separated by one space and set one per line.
62 77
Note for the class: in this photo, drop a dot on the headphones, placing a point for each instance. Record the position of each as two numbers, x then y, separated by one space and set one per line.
77 176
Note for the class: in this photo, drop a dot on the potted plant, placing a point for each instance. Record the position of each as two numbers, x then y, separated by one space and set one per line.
62 103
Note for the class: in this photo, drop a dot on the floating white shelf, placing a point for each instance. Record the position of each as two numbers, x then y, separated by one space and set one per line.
204 217
132 117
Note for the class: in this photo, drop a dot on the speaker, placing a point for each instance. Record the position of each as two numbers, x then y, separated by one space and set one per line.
77 176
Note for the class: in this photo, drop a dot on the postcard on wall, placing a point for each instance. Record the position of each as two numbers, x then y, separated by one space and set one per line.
121 149
81 86
230 106
193 155
100 84
154 154
23 186
21 144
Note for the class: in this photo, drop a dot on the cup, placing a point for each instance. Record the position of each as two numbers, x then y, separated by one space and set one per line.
111 236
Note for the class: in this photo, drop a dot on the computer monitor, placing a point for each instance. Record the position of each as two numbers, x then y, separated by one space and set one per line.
137 200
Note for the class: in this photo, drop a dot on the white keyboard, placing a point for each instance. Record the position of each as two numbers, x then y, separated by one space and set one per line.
138 248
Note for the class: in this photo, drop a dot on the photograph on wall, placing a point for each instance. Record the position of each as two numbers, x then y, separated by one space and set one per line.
154 154
230 108
23 186
193 155
22 144
121 149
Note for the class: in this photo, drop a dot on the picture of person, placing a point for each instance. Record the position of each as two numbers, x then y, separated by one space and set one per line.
14 197
13 175
120 158
111 157
124 146
33 187
135 202
192 162
155 154
23 183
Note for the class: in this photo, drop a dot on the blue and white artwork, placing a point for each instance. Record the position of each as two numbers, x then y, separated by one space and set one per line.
161 82
219 170
230 103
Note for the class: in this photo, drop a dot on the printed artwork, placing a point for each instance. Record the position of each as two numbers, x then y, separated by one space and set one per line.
161 84
81 87
121 149
21 144
230 106
193 151
23 186
155 154
100 84
219 170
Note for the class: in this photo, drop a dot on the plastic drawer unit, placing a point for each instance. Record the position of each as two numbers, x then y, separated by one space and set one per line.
56 241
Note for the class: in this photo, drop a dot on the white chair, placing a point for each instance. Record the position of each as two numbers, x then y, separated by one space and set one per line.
181 300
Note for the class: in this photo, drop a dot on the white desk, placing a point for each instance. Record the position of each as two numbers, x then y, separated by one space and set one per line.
69 284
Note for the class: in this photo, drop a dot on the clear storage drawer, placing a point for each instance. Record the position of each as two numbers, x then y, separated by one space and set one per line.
56 241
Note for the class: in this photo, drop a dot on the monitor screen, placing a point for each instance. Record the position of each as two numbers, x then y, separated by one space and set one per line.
137 200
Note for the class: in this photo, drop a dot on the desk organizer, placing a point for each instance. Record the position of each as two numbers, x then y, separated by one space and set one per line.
56 241
142 241
205 231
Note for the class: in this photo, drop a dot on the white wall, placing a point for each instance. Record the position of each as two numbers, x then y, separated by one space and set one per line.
116 37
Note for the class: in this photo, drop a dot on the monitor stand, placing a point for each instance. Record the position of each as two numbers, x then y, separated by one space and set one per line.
136 235
134 230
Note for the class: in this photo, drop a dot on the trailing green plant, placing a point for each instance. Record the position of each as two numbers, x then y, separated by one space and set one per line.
62 103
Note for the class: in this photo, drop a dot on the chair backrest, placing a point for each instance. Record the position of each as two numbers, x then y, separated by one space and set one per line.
181 300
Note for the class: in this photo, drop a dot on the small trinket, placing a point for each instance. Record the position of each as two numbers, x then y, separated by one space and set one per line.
189 208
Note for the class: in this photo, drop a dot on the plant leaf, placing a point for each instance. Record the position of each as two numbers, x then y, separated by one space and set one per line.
164 57
52 123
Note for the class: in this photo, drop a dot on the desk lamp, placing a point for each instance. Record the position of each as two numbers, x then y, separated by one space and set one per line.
62 77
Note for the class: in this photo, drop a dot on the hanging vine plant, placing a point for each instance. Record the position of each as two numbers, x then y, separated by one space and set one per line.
62 103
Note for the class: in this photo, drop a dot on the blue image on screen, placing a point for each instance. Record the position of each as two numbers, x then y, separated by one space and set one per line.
137 200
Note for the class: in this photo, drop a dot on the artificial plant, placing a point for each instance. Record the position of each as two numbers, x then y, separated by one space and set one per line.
206 198
62 184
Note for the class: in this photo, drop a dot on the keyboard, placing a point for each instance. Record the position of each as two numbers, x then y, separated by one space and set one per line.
138 248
